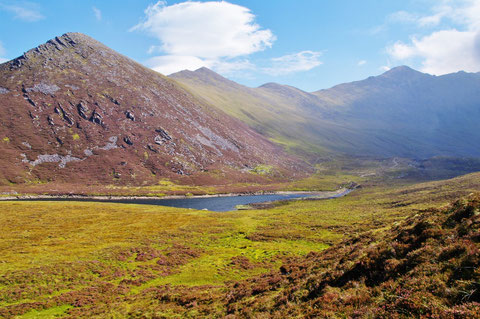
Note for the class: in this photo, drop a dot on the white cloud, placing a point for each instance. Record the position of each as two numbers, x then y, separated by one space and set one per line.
23 10
385 68
443 51
97 13
447 49
361 62
168 64
301 61
208 33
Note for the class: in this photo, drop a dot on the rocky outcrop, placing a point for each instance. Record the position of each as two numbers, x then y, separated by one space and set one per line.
96 118
82 110
127 140
130 115
44 88
54 158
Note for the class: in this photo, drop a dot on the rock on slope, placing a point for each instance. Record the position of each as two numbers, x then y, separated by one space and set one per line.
74 110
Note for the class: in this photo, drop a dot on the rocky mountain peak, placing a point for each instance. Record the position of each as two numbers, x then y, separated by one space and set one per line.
81 106
403 72
67 45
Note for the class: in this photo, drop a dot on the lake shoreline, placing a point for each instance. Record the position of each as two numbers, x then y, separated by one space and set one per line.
311 194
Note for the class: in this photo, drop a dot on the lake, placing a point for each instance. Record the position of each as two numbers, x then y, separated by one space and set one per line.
218 204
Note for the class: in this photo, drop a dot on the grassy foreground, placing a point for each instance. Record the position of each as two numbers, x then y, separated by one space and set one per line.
97 260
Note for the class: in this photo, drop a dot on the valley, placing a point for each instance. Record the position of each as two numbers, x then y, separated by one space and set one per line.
357 201
73 259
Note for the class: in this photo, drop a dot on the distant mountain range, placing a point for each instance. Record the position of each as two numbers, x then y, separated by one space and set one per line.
402 113
74 110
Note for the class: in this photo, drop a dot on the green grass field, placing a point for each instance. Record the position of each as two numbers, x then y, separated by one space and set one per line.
97 260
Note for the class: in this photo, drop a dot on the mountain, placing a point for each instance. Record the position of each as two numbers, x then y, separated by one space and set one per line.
402 112
419 115
73 110
277 111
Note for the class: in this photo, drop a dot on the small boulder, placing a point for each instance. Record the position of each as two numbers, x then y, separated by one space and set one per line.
152 148
96 118
31 101
82 110
163 134
130 115
127 140
158 140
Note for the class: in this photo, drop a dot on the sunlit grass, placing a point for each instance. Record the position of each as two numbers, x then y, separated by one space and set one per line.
58 255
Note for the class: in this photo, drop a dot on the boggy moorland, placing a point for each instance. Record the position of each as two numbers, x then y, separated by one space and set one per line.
382 251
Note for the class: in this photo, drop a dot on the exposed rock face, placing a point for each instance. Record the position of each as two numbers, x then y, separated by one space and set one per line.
44 88
94 98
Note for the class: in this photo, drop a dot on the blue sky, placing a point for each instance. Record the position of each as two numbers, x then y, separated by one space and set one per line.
310 44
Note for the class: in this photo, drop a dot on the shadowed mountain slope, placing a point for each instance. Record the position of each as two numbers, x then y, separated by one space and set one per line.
409 113
74 110
402 112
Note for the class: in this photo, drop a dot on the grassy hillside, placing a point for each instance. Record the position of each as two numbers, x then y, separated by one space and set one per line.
402 113
423 267
281 117
94 260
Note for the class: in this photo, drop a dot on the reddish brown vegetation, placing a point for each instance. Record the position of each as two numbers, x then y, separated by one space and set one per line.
428 266
73 110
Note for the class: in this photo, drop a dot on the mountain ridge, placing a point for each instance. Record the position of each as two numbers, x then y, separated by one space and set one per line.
402 112
74 109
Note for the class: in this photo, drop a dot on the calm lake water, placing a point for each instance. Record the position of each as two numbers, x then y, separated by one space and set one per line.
218 204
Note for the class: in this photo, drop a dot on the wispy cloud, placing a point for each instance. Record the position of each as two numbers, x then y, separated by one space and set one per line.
194 34
447 49
97 13
361 62
296 62
23 10
402 17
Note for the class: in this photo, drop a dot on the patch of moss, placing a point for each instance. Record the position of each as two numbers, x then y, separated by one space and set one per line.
262 169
